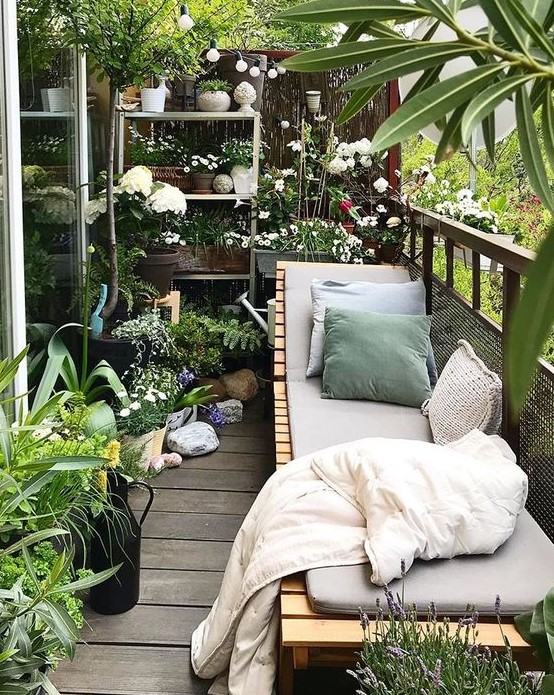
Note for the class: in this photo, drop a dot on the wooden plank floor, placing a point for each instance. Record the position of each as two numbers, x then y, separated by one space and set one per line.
187 538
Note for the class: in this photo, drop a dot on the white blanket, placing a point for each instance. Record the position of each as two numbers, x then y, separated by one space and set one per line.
386 500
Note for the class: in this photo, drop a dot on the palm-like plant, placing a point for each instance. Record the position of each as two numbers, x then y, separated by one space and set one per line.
513 55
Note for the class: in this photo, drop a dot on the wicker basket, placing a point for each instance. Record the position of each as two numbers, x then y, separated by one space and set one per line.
174 176
213 259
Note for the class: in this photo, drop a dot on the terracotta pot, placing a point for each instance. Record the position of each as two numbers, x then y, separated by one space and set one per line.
202 183
157 268
348 227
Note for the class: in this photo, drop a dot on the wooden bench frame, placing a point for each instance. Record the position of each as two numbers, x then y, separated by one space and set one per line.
309 639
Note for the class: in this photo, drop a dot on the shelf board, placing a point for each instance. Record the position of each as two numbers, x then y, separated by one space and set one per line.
191 115
210 276
218 196
47 115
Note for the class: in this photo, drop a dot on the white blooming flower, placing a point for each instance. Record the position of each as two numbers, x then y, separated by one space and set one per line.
150 397
366 161
381 208
381 185
136 180
336 166
94 208
162 396
279 185
135 405
464 193
430 179
295 145
121 394
167 198
124 412
363 147
288 172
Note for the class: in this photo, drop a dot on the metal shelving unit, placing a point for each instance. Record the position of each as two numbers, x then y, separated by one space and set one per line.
253 118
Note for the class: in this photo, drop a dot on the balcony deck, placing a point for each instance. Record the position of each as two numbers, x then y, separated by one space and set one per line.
187 538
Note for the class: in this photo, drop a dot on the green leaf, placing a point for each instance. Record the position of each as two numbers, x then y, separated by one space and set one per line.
534 32
486 101
439 10
104 370
61 624
426 80
451 137
346 54
86 582
63 463
531 322
422 55
548 127
489 133
331 12
530 149
504 22
357 101
31 539
432 104
539 9
354 31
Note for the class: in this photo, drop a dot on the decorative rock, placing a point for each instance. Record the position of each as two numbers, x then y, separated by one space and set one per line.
223 183
195 439
158 463
231 411
241 385
218 388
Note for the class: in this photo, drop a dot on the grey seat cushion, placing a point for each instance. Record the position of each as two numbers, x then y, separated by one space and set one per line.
316 423
520 572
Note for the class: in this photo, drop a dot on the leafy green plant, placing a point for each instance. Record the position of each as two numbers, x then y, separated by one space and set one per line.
237 336
215 85
537 628
237 153
193 347
513 60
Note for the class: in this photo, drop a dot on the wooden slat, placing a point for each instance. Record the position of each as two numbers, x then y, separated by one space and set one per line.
179 587
246 429
158 553
283 448
129 671
149 625
195 479
192 526
226 461
293 584
279 370
347 633
214 502
246 445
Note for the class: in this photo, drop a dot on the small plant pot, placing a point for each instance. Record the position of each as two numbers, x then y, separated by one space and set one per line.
59 99
388 253
157 268
242 179
214 101
313 100
202 183
153 100
149 444
183 417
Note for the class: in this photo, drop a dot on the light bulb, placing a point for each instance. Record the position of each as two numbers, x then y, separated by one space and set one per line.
285 124
241 65
255 69
213 55
185 21
281 70
272 73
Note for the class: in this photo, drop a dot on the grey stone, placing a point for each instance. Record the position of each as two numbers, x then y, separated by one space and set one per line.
232 411
195 439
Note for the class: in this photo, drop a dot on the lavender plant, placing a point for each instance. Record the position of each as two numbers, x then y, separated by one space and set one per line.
401 656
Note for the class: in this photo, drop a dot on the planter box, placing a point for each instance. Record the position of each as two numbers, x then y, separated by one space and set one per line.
213 259
267 260
461 253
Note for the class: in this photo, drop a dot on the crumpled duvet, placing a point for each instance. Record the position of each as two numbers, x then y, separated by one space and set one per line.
386 500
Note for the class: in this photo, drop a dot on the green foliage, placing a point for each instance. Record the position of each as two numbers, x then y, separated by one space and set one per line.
237 336
237 152
537 628
214 85
39 276
43 558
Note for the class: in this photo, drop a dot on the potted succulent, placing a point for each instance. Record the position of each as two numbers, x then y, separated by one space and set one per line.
214 95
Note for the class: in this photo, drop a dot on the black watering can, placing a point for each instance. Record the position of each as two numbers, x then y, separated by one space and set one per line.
116 540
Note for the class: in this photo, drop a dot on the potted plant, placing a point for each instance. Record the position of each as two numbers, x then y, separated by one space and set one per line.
166 155
342 207
214 95
185 398
237 155
146 34
203 168
149 215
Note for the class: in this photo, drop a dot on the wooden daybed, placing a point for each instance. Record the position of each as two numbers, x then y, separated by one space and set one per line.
310 639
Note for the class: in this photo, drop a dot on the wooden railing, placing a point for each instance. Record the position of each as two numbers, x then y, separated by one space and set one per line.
531 434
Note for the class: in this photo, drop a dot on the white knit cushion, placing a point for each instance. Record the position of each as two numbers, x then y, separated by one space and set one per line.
467 396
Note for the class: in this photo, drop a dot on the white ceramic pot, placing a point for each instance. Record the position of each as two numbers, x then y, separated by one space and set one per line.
313 100
181 418
214 101
59 99
242 179
153 100
44 99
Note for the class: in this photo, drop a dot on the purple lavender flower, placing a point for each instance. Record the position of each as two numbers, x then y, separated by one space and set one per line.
364 620
432 612
436 674
185 378
467 622
396 652
394 606
215 415
497 604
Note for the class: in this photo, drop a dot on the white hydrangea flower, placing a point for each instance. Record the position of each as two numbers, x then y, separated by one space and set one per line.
381 185
124 412
94 208
263 214
136 180
430 179
363 147
135 405
167 198
366 161
336 166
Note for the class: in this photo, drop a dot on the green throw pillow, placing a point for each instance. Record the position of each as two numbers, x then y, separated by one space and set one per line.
376 357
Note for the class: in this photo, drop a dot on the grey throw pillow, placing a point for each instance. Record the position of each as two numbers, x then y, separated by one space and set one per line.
468 396
405 298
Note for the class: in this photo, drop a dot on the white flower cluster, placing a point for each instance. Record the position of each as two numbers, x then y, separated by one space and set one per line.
207 164
346 156
54 204
137 180
234 239
141 397
470 211
167 198
94 208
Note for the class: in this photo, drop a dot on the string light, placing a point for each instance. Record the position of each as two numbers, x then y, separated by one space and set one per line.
283 123
241 65
281 69
272 72
255 69
185 21
213 55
